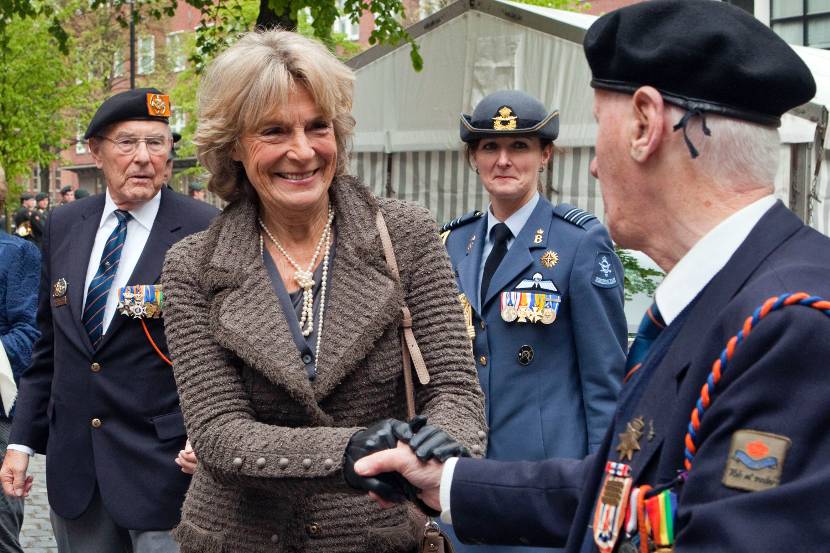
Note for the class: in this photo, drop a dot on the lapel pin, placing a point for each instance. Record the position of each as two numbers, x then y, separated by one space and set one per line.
549 258
630 439
539 234
59 292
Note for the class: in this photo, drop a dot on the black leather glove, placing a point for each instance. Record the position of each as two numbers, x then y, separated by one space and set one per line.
384 434
430 442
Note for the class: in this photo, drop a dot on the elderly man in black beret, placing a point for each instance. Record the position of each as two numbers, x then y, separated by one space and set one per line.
713 447
99 398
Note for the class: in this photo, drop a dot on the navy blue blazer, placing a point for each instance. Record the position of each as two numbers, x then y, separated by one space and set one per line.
19 275
123 383
557 399
777 383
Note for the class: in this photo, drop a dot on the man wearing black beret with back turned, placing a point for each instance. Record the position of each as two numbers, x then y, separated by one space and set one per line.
99 398
701 456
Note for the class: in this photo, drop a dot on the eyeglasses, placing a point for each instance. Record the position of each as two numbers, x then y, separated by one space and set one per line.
127 145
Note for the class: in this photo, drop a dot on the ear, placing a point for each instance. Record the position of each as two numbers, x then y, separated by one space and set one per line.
647 123
95 151
547 152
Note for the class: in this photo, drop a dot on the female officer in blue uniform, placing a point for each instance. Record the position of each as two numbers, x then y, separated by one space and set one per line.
542 290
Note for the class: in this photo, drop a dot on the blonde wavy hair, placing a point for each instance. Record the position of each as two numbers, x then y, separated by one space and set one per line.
242 87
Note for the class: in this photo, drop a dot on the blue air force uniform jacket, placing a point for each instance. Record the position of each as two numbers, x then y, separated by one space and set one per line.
550 388
775 390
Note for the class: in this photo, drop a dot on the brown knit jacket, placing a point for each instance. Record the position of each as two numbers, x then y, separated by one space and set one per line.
269 442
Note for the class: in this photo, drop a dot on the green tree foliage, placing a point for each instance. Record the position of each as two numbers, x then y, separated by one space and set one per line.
638 279
35 84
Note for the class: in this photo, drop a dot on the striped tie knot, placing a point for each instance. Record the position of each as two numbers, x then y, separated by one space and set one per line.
101 284
650 328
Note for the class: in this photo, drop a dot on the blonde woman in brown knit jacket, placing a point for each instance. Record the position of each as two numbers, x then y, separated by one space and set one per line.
275 378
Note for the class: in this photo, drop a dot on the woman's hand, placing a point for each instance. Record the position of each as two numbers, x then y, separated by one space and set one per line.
187 459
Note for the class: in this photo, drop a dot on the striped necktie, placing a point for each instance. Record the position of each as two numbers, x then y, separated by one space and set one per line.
650 328
96 296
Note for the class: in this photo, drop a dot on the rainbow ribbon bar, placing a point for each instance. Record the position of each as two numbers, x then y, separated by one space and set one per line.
661 511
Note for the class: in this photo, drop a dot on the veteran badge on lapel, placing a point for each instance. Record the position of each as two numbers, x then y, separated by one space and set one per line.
534 300
59 289
141 301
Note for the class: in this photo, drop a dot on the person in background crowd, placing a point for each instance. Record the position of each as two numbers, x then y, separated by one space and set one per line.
67 195
713 447
81 193
196 190
543 292
24 217
19 272
277 374
99 398
39 217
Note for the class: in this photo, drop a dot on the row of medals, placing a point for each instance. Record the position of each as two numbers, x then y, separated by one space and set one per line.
525 314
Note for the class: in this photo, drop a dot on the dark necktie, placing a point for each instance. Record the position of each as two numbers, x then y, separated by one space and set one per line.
650 328
96 296
500 235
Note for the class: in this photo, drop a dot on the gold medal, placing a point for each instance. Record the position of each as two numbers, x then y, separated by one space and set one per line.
548 316
509 314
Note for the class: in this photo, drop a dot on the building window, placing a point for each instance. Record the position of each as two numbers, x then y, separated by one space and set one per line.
118 63
178 120
146 55
80 143
176 54
802 22
343 25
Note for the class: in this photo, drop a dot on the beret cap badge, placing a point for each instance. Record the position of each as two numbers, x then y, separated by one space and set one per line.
505 120
158 105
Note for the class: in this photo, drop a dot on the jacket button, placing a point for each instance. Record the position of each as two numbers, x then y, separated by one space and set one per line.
476 449
95 367
237 462
96 423
483 359
313 529
307 358
283 463
328 463
260 463
482 324
274 538
482 434
306 463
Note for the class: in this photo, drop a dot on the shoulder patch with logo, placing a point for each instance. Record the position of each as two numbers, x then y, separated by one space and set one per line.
604 274
755 460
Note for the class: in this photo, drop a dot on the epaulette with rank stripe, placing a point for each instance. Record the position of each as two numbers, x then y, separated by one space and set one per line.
458 222
574 215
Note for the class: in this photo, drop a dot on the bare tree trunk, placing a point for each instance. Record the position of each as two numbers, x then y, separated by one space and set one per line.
268 18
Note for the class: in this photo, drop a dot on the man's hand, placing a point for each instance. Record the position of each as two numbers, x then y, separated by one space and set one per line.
13 474
187 459
424 476
384 434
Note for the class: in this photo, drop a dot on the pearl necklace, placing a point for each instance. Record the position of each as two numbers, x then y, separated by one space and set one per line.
305 278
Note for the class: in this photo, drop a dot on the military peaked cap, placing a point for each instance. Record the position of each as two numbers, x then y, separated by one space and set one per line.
701 55
509 112
148 104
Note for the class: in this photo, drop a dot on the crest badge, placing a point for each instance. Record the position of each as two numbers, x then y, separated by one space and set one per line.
549 258
59 291
158 105
755 460
505 120
604 275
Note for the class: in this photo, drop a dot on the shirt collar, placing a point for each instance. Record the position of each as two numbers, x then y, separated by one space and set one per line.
145 214
517 220
706 258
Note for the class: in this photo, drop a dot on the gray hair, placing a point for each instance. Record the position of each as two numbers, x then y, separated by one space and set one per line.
736 152
243 85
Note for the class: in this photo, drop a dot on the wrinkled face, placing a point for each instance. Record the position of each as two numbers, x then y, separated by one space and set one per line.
509 166
612 165
136 177
290 158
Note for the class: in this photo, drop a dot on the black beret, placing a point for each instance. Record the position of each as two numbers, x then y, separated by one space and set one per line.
147 104
26 196
41 196
509 112
66 190
701 55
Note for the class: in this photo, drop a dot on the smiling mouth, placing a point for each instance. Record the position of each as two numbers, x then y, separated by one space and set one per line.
296 176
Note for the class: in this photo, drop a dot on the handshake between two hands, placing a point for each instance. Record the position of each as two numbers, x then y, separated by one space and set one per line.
396 461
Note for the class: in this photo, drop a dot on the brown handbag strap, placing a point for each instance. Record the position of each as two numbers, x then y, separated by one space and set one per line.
409 345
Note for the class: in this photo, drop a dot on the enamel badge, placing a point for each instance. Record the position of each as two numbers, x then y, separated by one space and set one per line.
59 291
609 511
158 105
141 301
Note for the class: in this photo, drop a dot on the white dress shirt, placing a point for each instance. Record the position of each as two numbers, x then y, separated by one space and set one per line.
683 283
138 231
